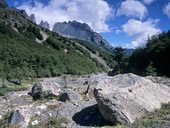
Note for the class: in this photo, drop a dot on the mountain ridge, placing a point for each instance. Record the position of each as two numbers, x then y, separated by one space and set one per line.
74 29
24 52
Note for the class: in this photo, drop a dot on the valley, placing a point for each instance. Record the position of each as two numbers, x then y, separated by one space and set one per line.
71 77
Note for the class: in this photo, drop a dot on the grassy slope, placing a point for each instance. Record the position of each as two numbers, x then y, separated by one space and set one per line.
22 56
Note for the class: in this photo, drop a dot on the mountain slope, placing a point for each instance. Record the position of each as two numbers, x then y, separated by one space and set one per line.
3 3
81 31
27 50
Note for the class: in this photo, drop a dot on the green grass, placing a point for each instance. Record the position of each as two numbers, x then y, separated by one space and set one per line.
9 87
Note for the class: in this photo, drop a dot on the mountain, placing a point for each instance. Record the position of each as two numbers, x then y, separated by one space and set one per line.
44 24
32 18
74 29
128 52
29 51
3 3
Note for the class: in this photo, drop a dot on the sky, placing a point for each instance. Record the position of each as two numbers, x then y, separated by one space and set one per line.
125 23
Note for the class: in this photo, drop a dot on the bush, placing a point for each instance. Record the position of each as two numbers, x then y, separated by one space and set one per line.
35 31
150 70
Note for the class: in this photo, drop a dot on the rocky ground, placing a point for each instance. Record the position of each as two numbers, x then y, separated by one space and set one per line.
74 104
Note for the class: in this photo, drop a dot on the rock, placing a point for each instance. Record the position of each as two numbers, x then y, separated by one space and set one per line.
51 88
16 118
63 125
36 91
70 95
81 31
3 3
44 24
15 81
23 13
159 80
32 18
0 117
45 90
35 122
125 98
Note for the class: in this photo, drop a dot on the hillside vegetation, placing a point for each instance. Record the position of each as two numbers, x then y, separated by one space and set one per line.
153 59
22 57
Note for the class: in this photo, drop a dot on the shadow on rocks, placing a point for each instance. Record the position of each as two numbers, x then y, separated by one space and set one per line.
90 116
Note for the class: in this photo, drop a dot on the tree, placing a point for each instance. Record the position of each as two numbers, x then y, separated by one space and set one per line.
121 59
150 70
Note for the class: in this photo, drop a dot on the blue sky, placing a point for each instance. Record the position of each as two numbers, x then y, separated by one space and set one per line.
127 23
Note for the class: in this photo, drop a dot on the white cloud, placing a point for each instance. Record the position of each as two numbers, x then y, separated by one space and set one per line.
132 8
140 31
93 12
118 31
148 1
167 10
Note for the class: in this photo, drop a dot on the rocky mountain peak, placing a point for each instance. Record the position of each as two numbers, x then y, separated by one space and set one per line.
32 18
80 25
44 24
3 3
81 31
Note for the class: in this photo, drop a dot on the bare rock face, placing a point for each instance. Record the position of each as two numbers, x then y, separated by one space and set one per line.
3 3
44 24
124 98
32 18
81 31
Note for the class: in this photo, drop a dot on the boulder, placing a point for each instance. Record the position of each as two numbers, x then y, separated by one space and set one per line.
16 118
45 89
70 95
124 98
36 91
51 88
15 81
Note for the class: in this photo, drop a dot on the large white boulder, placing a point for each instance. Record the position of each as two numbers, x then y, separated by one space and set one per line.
124 98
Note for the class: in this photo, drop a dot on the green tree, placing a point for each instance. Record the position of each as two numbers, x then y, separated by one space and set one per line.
150 70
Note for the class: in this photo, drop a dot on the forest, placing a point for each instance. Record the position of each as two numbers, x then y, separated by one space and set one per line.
152 59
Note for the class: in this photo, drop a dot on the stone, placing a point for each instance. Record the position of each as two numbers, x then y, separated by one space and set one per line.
15 81
63 125
126 97
45 89
44 24
0 117
36 91
70 95
32 18
16 118
35 122
82 31
3 3
159 80
51 88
